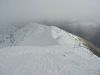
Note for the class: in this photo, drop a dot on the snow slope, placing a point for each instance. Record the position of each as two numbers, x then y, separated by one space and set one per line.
52 60
47 50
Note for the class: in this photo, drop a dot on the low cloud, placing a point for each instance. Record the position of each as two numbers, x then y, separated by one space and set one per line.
21 10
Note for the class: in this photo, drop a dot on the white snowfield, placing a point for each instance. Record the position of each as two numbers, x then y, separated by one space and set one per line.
47 50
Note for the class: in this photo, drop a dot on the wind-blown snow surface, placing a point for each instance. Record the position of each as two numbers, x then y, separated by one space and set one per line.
43 50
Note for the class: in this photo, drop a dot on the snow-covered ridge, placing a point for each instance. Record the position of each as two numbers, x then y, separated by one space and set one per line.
39 35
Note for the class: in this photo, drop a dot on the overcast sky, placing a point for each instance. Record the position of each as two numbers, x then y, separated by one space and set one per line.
17 10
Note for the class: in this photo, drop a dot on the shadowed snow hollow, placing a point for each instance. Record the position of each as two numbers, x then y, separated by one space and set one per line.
47 50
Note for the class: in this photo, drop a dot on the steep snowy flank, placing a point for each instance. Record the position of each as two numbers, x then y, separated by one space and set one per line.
65 38
47 50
